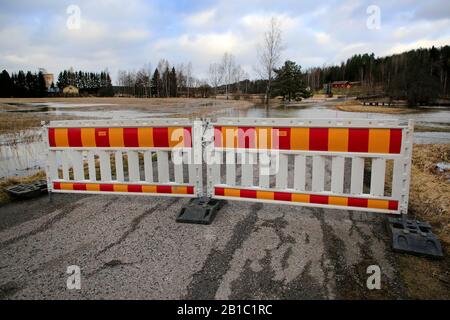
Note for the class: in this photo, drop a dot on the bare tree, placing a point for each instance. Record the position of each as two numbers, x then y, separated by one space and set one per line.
226 70
143 82
189 79
163 68
239 75
214 76
269 54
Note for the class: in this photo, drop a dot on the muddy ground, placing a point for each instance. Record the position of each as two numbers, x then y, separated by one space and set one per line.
130 247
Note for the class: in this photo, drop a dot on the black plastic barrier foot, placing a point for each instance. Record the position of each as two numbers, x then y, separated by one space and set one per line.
28 190
415 237
200 210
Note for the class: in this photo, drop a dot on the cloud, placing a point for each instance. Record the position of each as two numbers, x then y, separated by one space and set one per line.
201 19
118 34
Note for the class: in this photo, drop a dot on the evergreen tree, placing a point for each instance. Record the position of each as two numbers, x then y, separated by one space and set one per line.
6 85
173 82
41 87
289 82
156 84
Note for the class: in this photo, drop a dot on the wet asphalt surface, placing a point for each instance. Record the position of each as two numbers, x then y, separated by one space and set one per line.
130 247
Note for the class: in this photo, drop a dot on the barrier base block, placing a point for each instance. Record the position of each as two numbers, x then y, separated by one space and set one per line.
414 237
200 210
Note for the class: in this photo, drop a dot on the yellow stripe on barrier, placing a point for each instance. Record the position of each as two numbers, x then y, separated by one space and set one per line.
264 137
379 140
378 204
145 137
66 186
300 197
116 137
88 137
300 138
268 195
232 193
338 201
120 188
61 137
179 190
229 137
338 139
149 189
92 187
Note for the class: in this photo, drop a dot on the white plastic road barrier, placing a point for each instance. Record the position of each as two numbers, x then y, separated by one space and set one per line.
329 163
146 157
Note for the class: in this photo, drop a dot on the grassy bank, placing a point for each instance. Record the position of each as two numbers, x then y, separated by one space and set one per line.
429 201
356 106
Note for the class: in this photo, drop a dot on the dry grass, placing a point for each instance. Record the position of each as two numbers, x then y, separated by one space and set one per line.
355 106
420 128
429 201
430 190
7 182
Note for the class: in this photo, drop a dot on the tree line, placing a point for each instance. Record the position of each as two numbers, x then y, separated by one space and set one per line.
22 84
419 76
87 82
164 81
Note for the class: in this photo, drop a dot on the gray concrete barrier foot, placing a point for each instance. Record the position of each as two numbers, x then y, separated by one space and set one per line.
200 210
413 237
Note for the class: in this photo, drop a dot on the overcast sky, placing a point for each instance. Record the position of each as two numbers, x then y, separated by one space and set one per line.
128 34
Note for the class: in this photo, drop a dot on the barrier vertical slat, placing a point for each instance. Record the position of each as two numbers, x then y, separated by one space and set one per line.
53 167
197 150
377 177
65 165
318 173
163 166
397 178
191 168
230 158
148 166
77 162
407 137
357 176
118 157
281 176
91 166
215 166
133 166
337 174
247 169
299 172
264 169
105 166
177 158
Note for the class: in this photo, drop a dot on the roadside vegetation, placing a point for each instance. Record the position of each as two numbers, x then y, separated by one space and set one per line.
429 201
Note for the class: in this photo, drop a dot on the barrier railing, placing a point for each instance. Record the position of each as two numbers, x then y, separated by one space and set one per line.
331 163
336 163
147 157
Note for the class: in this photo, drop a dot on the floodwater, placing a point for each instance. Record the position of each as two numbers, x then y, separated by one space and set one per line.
23 153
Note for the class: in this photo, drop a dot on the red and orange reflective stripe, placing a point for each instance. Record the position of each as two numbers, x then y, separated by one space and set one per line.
365 140
123 187
167 137
308 198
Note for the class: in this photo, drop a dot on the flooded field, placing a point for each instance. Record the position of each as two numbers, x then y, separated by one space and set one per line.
22 149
